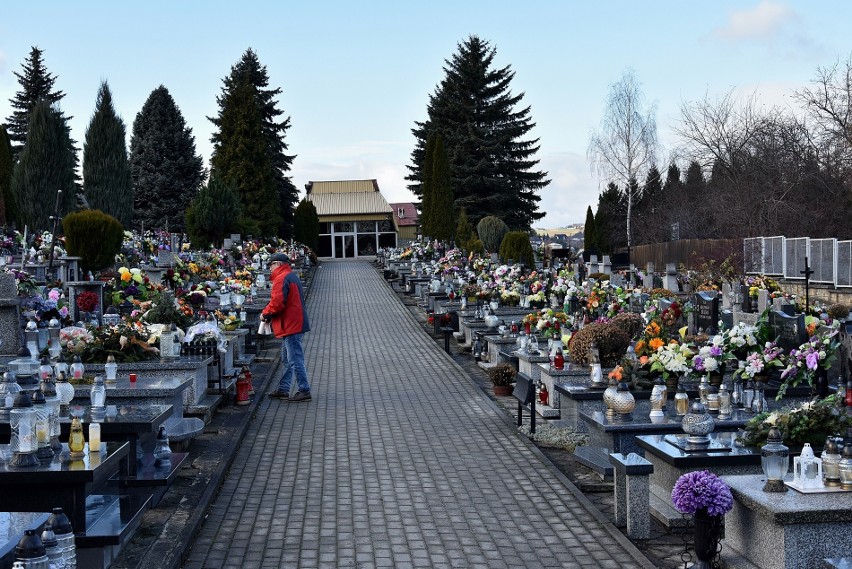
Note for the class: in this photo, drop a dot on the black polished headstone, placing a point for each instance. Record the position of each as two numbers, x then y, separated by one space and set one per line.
789 330
707 311
727 318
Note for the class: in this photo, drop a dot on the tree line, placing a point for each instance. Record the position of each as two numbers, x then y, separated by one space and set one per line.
740 169
159 182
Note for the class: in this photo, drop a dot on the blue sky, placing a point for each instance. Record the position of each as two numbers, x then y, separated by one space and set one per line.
356 75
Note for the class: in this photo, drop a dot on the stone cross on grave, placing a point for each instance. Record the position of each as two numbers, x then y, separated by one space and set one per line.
807 272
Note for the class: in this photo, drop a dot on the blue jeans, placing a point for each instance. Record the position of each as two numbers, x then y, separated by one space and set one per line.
294 358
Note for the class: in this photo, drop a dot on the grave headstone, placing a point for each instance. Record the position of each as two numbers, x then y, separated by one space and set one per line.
165 259
648 281
727 318
227 243
616 280
663 304
790 330
235 237
707 311
762 300
670 280
10 315
746 304
606 265
727 297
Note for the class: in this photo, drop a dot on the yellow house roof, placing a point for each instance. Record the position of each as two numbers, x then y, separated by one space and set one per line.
342 187
347 197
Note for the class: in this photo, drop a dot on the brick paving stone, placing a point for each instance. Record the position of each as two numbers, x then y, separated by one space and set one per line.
400 454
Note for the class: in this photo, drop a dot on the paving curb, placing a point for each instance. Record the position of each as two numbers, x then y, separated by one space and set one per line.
511 422
166 534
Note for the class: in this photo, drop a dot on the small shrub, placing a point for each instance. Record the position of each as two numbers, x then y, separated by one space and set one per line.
516 246
502 374
475 246
838 311
93 236
612 343
491 231
629 322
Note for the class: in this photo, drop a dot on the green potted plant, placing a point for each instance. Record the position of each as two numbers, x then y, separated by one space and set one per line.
502 376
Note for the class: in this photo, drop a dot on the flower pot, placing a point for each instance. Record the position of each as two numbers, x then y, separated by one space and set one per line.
708 531
503 390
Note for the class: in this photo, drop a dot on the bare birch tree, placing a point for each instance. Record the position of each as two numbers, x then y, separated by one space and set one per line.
625 146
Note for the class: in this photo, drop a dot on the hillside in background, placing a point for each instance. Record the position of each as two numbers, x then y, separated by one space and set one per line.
569 230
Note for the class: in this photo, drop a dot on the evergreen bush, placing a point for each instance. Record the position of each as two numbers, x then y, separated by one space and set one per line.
516 246
93 236
491 231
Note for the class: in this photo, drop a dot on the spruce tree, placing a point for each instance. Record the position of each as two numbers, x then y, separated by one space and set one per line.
441 211
164 167
213 213
274 132
306 224
492 164
611 217
45 167
427 187
648 212
240 157
106 171
36 85
7 208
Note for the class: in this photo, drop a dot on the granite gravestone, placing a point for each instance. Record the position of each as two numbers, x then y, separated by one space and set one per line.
10 315
789 330
707 311
727 318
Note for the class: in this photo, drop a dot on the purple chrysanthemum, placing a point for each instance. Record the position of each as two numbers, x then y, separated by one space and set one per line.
696 490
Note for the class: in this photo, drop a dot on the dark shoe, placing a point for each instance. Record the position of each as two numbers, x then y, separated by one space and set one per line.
279 395
300 396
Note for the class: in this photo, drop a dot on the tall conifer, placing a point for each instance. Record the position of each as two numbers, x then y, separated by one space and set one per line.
442 215
7 207
106 171
427 188
273 130
165 169
491 163
45 167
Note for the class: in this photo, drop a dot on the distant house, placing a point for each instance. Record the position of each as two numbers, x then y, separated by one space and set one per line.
407 223
355 219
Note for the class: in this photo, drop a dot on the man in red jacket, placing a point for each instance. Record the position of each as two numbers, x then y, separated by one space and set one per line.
288 316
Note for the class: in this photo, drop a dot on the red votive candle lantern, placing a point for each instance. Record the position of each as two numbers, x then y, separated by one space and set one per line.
132 378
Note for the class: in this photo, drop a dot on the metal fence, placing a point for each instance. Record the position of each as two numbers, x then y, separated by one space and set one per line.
829 260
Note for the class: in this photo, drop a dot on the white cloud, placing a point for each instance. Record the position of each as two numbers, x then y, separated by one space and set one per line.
572 189
762 22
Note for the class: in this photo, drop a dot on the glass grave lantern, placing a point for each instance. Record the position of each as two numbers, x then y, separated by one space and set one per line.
65 392
807 469
162 450
846 467
25 369
9 390
53 346
31 335
61 366
51 399
110 369
775 461
681 399
76 440
45 370
42 427
831 463
77 369
98 398
596 374
23 444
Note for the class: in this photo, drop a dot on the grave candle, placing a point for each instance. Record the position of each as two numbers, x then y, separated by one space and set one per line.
95 437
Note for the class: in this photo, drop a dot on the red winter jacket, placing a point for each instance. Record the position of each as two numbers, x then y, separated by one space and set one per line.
286 305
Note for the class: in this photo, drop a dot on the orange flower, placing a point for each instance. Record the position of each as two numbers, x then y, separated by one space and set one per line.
653 329
640 345
125 277
655 343
616 373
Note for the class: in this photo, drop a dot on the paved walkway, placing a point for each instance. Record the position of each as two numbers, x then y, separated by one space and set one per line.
399 461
